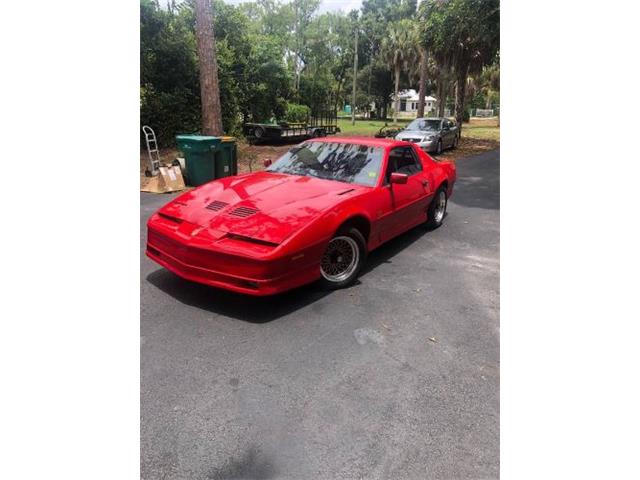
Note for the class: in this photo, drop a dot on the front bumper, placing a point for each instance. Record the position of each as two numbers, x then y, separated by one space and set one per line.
427 146
231 272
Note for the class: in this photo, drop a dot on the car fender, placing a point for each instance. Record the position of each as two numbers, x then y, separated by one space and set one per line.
320 230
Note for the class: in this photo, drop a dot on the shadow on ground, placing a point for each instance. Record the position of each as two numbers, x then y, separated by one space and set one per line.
252 464
266 309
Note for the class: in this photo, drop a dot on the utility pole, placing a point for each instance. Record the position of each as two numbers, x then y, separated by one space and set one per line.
355 75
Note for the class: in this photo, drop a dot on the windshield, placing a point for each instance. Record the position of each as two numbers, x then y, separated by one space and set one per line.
424 124
343 162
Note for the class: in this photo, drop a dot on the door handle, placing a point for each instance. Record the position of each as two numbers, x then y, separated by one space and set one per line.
425 183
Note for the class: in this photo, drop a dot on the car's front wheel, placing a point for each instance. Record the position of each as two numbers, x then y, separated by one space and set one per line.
439 147
343 258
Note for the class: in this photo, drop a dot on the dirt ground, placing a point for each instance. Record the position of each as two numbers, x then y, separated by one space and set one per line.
251 157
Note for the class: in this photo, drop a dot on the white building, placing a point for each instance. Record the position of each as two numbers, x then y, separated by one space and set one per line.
407 103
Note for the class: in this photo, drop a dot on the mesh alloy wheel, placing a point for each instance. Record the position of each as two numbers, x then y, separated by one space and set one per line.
437 208
441 206
340 260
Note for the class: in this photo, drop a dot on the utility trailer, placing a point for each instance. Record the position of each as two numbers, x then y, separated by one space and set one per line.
320 124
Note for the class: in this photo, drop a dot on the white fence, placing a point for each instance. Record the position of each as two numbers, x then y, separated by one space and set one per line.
482 112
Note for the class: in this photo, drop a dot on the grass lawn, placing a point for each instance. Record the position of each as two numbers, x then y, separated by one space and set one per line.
482 129
363 127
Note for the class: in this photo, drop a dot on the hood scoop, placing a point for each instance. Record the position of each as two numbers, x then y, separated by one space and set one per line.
216 205
243 212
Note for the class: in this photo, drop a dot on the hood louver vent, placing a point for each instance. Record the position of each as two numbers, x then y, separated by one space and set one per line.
216 205
243 212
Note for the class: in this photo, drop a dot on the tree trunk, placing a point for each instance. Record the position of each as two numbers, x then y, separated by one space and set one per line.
423 82
209 88
442 97
355 77
396 97
455 96
460 93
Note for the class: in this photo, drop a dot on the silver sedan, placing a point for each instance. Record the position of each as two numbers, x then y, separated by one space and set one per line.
431 134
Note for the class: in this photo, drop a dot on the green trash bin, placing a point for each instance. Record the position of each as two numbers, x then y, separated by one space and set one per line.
200 157
227 157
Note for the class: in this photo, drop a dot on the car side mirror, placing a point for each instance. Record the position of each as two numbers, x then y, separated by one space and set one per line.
400 178
267 162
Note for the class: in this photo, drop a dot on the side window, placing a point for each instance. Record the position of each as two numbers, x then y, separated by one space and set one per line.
403 160
416 160
391 164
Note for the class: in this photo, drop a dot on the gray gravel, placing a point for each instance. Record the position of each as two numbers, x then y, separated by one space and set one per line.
396 377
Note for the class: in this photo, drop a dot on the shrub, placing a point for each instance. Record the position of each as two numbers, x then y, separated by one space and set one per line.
297 113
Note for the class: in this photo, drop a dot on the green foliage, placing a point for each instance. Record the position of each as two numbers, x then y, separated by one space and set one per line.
282 59
169 88
463 35
296 113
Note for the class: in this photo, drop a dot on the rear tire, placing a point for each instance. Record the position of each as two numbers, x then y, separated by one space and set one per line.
343 259
437 209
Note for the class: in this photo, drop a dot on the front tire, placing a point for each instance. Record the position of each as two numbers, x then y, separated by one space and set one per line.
439 147
343 258
455 142
437 209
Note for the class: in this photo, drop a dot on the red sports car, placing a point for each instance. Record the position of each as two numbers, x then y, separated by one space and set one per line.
313 214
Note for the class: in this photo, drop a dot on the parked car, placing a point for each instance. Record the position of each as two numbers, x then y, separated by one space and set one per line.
431 134
313 214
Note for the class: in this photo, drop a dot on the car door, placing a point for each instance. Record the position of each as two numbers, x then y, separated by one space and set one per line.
454 132
407 202
446 134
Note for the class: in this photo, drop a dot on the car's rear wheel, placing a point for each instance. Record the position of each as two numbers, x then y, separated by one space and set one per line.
437 209
343 258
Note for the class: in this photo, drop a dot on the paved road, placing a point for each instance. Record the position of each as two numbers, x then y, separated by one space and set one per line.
348 384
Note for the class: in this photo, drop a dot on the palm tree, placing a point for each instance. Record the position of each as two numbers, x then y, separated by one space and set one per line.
399 49
490 81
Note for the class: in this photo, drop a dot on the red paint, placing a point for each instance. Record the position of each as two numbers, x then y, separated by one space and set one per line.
275 240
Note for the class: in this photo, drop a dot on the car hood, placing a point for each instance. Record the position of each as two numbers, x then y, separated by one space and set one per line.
264 206
414 134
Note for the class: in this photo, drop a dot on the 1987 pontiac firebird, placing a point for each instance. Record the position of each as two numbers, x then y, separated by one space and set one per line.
313 214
